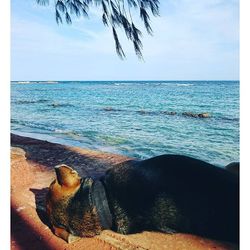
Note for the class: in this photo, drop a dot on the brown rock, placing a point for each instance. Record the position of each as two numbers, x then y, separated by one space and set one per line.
200 115
204 115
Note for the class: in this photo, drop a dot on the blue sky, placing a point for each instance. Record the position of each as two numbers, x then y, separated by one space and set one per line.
193 40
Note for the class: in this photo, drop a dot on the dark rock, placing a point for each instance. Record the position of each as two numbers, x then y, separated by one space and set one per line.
169 112
200 115
108 109
190 114
142 112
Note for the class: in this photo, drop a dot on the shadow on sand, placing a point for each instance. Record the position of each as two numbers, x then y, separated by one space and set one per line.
40 199
51 154
25 236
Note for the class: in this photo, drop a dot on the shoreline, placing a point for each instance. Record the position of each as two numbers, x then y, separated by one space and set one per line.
108 149
70 142
32 170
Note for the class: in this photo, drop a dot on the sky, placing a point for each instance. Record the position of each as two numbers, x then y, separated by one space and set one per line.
192 40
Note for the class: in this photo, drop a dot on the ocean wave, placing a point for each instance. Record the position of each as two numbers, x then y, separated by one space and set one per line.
47 82
30 101
35 125
166 83
153 84
184 84
67 132
23 82
235 119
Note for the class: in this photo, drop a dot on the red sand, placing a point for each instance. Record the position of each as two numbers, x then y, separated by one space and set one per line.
32 163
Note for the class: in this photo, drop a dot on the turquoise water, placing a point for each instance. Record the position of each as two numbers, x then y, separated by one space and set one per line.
131 118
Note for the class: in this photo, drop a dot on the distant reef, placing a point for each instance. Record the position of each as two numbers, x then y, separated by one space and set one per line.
148 112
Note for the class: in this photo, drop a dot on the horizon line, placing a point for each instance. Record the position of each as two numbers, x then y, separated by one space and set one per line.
123 80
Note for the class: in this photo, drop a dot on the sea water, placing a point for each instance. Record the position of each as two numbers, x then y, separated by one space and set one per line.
132 117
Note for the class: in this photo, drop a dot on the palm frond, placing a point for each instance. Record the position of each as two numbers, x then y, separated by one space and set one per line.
137 49
118 46
42 2
115 13
154 6
115 16
132 3
104 19
68 18
60 6
104 7
145 17
58 17
126 26
74 9
136 32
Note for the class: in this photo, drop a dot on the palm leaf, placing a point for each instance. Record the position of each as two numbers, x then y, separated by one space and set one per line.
58 17
118 46
42 2
145 17
115 13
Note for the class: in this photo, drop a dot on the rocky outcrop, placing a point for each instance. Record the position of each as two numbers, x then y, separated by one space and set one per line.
152 112
197 115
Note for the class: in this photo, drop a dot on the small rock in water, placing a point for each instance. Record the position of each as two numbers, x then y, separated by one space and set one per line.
204 115
108 109
190 114
142 112
200 115
169 112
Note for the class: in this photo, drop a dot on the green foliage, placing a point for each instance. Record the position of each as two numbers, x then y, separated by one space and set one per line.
115 14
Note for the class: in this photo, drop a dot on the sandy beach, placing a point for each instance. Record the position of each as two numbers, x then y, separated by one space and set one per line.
32 163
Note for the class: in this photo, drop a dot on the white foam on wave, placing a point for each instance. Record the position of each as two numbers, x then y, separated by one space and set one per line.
23 82
184 84
70 133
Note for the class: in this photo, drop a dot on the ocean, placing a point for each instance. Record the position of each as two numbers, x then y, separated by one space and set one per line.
132 118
